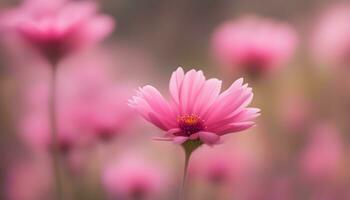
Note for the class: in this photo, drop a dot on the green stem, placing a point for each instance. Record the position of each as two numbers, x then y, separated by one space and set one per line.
189 146
54 134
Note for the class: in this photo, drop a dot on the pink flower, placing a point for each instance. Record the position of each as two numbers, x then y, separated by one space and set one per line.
330 41
255 44
197 110
322 156
134 178
58 27
90 105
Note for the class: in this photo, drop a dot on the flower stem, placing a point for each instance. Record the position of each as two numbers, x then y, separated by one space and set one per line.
189 146
53 125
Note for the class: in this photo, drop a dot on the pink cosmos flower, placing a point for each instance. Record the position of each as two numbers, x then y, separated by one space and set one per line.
197 111
134 178
254 44
57 27
330 42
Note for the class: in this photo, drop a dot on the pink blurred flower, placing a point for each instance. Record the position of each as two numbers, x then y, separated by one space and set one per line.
226 164
57 27
322 156
197 110
330 42
254 44
35 132
133 178
91 105
29 181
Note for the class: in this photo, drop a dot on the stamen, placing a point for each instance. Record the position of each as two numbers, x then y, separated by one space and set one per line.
190 124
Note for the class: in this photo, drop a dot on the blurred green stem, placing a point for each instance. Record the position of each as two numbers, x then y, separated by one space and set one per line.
189 146
53 125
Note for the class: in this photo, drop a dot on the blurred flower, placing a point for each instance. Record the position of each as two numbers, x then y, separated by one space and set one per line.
254 44
134 178
28 181
322 156
330 42
35 132
90 104
226 164
57 27
197 111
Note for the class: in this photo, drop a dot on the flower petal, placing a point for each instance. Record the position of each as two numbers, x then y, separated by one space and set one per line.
176 84
209 138
180 139
235 127
245 115
207 96
229 103
153 107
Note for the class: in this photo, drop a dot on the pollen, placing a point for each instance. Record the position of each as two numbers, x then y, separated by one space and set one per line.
190 124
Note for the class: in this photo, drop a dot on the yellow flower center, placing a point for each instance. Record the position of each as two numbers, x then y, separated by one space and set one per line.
190 124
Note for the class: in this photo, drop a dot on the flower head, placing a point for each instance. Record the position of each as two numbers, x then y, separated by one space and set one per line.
58 27
255 44
197 111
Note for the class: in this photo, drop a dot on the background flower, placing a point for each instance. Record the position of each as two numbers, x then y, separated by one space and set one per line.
254 44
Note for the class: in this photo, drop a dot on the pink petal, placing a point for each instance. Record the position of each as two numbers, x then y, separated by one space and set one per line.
162 139
180 139
194 136
196 88
243 116
176 84
207 96
209 138
229 103
235 127
153 107
186 91
172 131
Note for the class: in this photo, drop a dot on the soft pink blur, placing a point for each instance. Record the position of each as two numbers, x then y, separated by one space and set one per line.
322 156
225 164
330 41
134 177
29 180
254 44
295 112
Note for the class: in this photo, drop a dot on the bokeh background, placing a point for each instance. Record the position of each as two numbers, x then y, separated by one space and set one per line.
298 150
